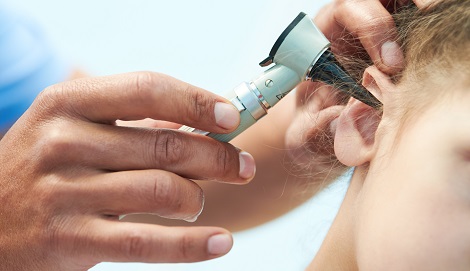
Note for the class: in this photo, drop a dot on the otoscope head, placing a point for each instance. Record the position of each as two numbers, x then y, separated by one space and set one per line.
298 47
303 48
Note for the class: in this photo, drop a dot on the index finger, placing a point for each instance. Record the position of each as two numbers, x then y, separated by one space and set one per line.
371 23
141 95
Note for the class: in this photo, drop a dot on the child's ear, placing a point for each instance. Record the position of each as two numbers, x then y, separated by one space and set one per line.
357 125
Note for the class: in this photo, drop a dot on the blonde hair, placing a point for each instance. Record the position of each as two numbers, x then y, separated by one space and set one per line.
436 46
436 39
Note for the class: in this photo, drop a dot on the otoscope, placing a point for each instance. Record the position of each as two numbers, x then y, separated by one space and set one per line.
300 53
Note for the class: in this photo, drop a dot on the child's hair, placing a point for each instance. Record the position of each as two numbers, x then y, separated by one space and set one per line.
436 40
436 45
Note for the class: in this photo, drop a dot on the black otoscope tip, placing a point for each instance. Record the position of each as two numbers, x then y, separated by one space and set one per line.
329 71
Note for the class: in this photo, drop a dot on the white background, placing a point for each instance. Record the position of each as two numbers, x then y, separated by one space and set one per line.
211 44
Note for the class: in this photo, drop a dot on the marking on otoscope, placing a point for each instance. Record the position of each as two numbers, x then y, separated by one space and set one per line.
269 83
282 95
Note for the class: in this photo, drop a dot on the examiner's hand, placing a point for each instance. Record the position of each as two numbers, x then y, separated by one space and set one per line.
369 22
351 26
67 172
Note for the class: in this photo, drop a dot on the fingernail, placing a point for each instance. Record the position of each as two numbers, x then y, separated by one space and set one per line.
392 55
226 115
247 165
219 244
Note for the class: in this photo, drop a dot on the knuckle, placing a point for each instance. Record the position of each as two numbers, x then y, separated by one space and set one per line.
46 94
50 192
371 15
172 199
50 99
342 6
199 105
63 99
341 9
54 142
371 28
164 191
187 247
145 82
169 148
224 161
136 246
167 198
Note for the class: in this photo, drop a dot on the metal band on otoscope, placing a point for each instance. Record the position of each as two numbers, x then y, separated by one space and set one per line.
250 100
260 96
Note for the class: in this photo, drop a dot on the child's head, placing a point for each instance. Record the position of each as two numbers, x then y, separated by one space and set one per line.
413 158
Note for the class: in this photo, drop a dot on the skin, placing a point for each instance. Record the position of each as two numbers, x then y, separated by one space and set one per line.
67 172
407 207
430 218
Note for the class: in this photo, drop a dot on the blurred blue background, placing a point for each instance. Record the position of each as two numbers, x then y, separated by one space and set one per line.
208 43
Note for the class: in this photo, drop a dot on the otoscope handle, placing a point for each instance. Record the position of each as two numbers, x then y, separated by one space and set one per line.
246 118
253 99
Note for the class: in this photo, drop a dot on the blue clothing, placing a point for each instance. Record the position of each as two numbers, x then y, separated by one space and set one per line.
28 64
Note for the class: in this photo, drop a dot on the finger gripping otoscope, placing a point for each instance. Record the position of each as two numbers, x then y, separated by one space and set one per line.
300 53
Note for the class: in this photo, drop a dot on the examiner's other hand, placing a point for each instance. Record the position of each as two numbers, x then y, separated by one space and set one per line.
370 23
67 172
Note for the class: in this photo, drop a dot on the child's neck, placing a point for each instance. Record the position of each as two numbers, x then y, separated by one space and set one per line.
337 251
